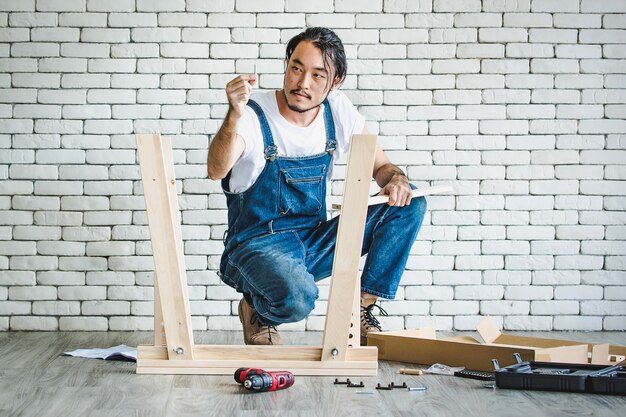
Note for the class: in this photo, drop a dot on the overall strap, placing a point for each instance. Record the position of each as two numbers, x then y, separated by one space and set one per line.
331 142
270 149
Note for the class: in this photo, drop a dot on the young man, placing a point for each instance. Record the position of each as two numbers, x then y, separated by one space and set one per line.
274 154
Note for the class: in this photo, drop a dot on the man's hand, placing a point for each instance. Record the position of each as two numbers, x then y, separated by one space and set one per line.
398 189
391 180
227 146
238 92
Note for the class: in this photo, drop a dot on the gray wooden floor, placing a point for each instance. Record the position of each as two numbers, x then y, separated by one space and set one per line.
36 381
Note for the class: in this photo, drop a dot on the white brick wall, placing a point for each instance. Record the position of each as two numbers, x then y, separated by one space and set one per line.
521 104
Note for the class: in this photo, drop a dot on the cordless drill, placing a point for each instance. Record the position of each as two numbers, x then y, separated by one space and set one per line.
258 380
242 373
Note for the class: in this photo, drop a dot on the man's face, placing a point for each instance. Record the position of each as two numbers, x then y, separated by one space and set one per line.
307 82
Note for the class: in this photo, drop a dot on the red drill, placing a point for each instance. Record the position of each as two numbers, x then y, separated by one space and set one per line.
258 380
242 373
269 381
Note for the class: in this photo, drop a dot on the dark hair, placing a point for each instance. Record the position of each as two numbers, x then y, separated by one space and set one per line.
329 44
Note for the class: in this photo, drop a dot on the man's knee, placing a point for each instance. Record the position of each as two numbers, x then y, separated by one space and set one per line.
413 214
297 304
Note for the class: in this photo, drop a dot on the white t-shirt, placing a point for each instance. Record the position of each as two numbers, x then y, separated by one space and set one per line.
291 140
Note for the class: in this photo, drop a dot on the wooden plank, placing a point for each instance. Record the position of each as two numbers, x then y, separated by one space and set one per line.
163 219
159 330
260 352
354 332
380 199
225 359
348 247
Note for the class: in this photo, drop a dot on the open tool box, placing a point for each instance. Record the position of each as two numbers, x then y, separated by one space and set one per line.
565 377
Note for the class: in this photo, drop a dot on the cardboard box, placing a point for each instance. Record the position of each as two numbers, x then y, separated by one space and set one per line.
422 346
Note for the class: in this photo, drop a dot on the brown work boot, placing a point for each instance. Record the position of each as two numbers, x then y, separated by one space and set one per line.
254 333
369 323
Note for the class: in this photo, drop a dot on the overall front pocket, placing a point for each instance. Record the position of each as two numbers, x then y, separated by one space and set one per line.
301 191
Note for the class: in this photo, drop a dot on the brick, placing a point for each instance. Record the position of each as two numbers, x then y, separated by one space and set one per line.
506 5
456 97
578 51
117 323
83 19
468 50
613 21
519 323
615 111
578 20
554 66
603 308
602 65
554 307
38 111
14 308
480 81
453 127
407 6
107 188
522 292
566 6
615 262
555 96
527 20
611 6
503 35
28 323
32 293
65 97
30 19
453 308
553 36
456 6
480 262
9 278
581 262
83 324
579 172
56 308
505 66
529 50
578 292
599 247
577 323
461 35
503 307
424 112
602 36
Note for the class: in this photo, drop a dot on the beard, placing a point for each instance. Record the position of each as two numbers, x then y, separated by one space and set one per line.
300 109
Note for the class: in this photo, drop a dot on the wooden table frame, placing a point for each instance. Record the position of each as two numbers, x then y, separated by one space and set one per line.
174 351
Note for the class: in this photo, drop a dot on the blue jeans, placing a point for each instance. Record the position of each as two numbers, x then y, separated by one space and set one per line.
279 270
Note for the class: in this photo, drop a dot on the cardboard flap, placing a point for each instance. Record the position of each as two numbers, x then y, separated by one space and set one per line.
425 333
488 330
563 354
600 354
462 339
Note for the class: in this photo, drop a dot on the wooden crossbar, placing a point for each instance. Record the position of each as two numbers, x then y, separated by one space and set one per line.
174 351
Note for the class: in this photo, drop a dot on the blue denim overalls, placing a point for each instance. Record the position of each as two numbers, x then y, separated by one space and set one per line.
290 192
279 242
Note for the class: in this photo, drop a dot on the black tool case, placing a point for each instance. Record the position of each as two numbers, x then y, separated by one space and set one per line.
565 377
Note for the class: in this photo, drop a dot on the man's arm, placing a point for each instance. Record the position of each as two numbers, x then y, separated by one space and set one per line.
391 179
227 146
